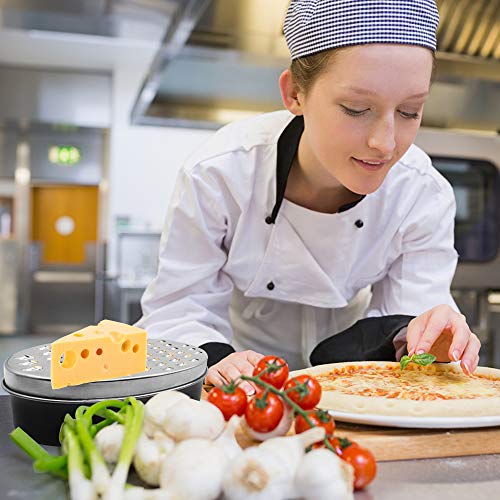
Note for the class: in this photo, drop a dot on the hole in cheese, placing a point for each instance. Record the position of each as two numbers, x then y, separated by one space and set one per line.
68 359
105 367
126 346
78 334
85 353
99 351
135 348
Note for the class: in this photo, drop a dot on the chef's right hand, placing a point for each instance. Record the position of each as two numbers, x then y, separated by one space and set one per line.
231 367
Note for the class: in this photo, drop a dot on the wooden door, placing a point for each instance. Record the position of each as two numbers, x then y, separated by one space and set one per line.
64 219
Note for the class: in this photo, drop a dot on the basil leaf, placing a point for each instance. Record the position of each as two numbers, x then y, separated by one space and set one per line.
424 359
404 361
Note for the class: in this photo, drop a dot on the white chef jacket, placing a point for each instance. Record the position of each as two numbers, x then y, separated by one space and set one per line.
240 265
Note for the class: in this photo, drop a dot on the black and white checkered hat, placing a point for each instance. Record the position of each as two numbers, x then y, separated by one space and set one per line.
315 25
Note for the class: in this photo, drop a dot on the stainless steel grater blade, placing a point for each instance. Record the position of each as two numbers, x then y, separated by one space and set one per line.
169 365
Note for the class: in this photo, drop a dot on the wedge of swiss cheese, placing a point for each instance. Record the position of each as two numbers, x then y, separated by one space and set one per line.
108 350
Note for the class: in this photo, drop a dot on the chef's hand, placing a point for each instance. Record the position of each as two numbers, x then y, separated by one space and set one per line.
444 333
231 367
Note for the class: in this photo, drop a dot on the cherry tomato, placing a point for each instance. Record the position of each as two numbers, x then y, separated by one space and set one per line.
319 418
278 370
363 462
307 393
264 414
230 399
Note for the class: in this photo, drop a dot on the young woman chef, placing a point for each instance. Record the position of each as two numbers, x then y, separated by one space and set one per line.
287 228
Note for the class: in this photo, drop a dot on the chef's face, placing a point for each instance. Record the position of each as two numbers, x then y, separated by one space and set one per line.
362 114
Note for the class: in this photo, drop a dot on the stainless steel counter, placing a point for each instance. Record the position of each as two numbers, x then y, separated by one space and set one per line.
462 478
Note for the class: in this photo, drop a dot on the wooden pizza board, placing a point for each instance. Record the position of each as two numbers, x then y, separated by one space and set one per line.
391 443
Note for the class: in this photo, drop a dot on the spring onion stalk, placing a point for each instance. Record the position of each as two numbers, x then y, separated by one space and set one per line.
35 451
99 471
103 406
80 487
134 416
68 421
94 429
51 464
112 415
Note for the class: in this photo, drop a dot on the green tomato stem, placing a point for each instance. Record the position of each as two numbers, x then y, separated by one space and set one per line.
283 395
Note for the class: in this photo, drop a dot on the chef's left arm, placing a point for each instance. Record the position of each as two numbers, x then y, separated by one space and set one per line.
420 280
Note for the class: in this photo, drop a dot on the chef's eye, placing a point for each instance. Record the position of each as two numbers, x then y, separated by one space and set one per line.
352 112
411 116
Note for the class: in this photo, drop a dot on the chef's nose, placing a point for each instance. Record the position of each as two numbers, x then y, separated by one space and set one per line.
382 136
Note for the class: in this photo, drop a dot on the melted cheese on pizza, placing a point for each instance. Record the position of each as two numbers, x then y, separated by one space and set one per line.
415 382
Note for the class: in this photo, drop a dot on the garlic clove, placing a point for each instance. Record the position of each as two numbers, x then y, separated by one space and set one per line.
139 493
155 408
194 470
193 419
257 474
147 460
291 449
109 442
322 475
227 439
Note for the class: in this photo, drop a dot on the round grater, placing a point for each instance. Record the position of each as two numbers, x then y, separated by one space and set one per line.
40 410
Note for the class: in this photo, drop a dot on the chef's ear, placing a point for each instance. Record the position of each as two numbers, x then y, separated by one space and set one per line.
290 94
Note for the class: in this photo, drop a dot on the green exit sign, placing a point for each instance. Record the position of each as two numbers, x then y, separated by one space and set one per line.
64 155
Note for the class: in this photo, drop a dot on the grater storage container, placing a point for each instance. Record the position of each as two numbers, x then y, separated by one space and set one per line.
39 410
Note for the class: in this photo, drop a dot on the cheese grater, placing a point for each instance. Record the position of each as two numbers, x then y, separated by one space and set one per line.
39 409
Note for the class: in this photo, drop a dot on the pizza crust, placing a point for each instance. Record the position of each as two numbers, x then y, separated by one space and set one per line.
485 404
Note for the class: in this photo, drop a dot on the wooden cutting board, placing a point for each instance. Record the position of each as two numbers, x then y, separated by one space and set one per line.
391 443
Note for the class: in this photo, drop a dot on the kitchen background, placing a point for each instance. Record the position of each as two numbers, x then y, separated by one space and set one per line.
102 100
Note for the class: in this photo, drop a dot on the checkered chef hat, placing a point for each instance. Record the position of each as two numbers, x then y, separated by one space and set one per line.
315 25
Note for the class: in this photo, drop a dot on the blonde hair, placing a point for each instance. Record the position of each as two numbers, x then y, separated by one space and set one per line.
306 70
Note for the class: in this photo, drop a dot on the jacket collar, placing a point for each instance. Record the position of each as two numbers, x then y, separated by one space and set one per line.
288 144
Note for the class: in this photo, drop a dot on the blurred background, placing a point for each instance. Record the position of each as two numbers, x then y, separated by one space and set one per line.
101 101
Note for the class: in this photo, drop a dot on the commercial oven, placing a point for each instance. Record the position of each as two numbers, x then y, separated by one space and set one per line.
470 161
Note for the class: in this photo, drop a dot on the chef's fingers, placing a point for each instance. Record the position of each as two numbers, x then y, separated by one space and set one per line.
461 337
414 331
475 364
470 354
214 377
246 368
437 321
243 366
253 357
231 371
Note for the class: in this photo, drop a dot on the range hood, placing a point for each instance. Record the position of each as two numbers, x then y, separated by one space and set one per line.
220 60
127 19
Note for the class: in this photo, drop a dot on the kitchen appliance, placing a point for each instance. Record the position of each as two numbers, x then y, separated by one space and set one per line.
470 161
40 410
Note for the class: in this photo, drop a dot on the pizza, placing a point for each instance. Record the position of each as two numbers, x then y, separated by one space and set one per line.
382 388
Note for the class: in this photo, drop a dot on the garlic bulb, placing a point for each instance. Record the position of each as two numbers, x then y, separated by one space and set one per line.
257 474
149 456
193 419
227 439
322 475
194 470
109 442
140 493
155 408
291 449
